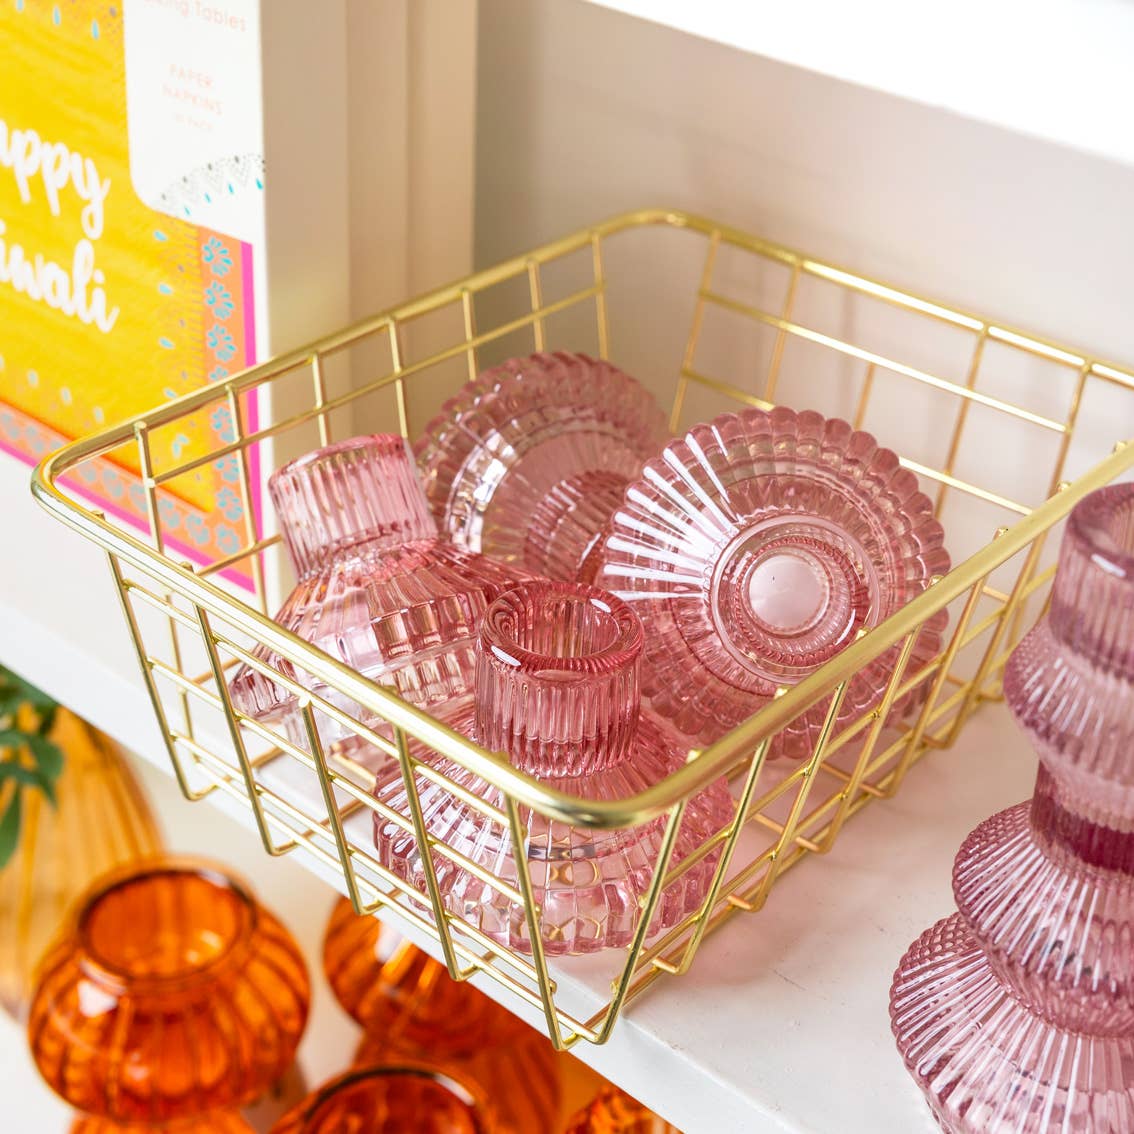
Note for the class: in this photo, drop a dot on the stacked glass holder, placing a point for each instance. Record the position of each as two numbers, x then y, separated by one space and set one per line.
1017 1012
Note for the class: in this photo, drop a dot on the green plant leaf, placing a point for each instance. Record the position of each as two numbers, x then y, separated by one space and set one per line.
17 772
10 828
30 777
47 719
48 756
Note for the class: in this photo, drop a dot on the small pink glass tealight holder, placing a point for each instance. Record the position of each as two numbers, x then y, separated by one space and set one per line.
557 692
755 549
377 589
528 461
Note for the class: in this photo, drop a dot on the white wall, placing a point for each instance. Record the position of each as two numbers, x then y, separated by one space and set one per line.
584 112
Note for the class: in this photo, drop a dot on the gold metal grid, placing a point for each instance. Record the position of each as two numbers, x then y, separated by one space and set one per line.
191 631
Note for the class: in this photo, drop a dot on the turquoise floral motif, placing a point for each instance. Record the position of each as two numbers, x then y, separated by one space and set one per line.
10 425
229 470
218 374
112 482
229 503
178 445
227 540
219 299
170 518
88 474
138 497
221 343
217 257
38 443
197 530
221 421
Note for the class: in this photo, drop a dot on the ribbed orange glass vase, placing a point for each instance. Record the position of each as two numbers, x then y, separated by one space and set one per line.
100 820
409 1006
172 994
403 1099
615 1112
215 1122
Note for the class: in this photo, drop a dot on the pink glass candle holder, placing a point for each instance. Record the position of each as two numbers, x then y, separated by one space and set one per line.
530 459
756 548
557 692
1017 1013
377 588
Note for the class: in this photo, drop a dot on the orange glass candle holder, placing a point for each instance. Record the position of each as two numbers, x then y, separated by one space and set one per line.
215 1122
395 991
615 1112
408 1005
404 1099
173 993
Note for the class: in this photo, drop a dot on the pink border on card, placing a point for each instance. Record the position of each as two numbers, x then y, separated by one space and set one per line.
254 397
75 486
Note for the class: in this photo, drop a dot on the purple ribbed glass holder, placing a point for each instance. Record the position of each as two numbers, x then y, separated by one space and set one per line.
376 589
1017 1013
756 548
528 461
557 692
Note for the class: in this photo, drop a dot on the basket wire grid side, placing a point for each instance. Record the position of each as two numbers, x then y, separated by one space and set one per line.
191 633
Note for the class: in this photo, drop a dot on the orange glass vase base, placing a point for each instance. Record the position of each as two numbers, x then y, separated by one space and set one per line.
615 1112
409 1007
217 1122
173 994
403 1099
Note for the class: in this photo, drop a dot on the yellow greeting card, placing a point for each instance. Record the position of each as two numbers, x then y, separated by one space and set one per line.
111 304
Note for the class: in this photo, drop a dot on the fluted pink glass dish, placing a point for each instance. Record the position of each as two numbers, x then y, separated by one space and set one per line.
377 588
557 692
528 461
757 547
1017 1013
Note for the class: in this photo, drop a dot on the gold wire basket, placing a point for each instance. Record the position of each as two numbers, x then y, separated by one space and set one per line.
993 421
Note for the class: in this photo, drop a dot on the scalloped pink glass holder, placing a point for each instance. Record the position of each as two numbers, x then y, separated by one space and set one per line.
377 587
1017 1013
528 461
557 691
757 547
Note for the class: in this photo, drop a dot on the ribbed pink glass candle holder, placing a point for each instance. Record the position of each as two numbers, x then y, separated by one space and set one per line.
557 692
756 548
377 588
1017 1013
528 461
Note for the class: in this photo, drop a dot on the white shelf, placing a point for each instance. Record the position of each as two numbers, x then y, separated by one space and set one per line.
781 1025
1056 70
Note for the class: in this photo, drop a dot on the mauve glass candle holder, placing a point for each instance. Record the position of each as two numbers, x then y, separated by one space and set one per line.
557 692
756 548
377 588
173 994
528 461
1017 1012
397 1099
